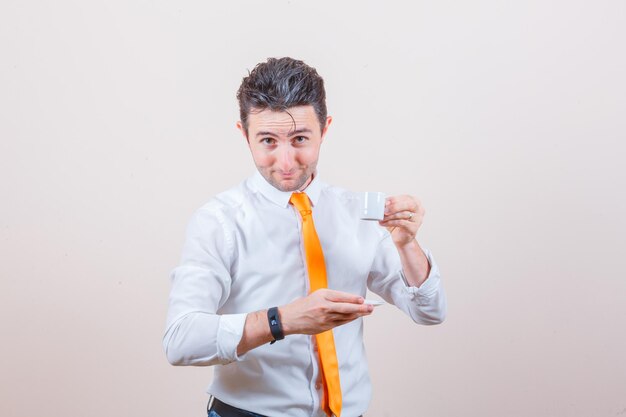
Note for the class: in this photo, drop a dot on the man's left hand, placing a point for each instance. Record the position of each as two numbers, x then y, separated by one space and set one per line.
403 217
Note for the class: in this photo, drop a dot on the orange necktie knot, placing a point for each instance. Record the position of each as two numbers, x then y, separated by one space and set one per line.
301 202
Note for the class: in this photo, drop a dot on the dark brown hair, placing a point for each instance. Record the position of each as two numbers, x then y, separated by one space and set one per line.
281 83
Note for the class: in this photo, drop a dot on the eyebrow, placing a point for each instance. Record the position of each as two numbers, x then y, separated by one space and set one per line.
291 133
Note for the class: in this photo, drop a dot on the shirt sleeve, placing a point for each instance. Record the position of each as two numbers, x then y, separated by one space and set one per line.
425 304
195 334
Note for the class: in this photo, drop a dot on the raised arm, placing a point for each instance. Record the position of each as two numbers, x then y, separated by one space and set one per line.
403 273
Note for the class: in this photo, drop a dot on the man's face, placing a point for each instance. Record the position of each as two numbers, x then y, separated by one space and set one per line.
285 150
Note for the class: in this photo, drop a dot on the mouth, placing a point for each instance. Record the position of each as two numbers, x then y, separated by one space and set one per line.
286 175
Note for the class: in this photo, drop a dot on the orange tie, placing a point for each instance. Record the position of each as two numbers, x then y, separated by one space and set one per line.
317 279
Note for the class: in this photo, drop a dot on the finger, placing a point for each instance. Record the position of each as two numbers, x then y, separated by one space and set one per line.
405 224
401 203
347 319
349 309
342 297
403 215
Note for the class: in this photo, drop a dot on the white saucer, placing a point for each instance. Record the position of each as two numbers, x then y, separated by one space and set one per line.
374 302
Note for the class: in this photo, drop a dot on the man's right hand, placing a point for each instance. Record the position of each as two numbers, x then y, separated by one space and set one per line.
322 310
319 311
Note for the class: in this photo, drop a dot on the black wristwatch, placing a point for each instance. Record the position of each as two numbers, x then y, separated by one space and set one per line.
275 326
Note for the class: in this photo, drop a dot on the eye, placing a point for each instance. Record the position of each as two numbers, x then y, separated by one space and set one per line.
300 139
268 141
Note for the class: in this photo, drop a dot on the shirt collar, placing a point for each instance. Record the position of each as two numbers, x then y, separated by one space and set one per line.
281 198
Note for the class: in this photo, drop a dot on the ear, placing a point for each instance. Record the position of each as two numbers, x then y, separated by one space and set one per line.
329 120
243 131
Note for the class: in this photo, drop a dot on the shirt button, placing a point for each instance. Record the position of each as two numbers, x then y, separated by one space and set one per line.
318 386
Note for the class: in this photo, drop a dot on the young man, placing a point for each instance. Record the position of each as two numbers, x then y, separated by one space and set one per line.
284 257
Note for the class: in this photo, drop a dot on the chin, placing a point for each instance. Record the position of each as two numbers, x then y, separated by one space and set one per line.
288 185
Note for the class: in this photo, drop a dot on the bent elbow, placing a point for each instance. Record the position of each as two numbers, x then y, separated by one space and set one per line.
430 318
175 350
182 353
174 359
437 319
192 341
433 311
174 356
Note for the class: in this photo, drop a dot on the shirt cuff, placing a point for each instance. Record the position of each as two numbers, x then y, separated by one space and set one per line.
229 334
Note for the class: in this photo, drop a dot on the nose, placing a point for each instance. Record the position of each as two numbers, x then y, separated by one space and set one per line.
286 159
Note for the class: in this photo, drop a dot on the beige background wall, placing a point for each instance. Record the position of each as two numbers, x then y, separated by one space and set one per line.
117 120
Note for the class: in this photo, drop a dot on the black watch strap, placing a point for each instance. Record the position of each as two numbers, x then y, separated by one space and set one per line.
275 325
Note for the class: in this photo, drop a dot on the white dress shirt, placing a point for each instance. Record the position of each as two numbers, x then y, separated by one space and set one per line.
243 253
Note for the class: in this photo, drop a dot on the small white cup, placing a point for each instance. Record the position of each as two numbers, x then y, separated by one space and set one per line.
371 205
